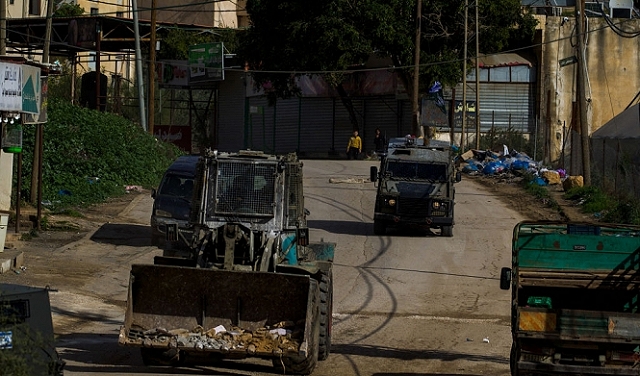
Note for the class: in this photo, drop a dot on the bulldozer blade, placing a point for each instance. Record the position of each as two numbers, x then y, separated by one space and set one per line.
165 301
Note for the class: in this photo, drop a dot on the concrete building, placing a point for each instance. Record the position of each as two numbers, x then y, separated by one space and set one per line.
111 63
218 14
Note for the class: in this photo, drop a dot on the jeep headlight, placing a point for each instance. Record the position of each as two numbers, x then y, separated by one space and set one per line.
391 202
436 205
163 213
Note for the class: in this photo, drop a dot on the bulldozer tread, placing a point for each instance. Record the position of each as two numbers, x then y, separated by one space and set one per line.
326 312
306 365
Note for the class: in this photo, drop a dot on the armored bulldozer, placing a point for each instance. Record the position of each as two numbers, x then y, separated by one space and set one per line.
252 285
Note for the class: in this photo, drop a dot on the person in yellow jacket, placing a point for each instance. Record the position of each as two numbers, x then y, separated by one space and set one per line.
354 148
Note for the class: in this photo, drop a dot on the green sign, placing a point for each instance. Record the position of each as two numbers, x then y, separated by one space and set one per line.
568 61
206 62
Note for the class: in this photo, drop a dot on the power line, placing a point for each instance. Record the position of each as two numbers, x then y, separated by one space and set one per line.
347 71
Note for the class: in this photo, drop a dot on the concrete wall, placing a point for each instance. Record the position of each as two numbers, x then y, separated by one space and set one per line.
613 76
6 169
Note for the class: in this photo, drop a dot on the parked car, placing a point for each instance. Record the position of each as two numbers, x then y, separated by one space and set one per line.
172 204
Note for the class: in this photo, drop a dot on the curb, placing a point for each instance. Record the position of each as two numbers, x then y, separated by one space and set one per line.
11 259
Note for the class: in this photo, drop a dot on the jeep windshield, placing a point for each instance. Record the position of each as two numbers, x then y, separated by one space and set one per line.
401 170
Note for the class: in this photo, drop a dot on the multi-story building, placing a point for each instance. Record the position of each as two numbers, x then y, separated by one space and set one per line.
111 63
219 14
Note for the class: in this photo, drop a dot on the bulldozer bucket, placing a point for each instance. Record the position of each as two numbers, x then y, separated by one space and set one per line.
244 313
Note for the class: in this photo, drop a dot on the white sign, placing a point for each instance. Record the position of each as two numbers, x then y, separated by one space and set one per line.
10 87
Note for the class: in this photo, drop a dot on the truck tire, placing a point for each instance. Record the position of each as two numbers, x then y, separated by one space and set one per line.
513 360
160 357
326 312
447 231
379 227
299 365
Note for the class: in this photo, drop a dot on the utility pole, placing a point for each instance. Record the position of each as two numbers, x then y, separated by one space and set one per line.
152 67
477 77
464 78
582 100
417 129
3 27
47 32
139 78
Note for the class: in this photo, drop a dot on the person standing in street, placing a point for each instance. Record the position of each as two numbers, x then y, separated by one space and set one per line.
354 148
379 141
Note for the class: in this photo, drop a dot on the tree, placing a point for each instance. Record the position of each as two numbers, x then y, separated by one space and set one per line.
63 9
290 38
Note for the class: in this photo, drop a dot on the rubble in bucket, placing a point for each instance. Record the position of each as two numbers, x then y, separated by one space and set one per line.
284 337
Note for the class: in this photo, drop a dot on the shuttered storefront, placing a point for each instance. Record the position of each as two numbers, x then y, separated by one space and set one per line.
322 125
230 113
502 105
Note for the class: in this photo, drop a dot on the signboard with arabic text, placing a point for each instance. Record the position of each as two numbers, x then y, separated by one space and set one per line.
206 62
10 87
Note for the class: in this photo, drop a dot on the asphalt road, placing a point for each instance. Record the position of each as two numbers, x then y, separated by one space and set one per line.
404 304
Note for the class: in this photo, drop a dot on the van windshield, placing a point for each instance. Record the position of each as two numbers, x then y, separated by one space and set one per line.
177 186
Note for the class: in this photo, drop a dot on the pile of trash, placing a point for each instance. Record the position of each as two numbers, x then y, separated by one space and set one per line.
278 339
489 163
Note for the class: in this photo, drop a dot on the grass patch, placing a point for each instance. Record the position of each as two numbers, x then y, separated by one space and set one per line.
69 213
607 207
33 233
530 185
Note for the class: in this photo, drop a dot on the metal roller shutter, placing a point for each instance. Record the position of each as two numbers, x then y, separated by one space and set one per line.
316 130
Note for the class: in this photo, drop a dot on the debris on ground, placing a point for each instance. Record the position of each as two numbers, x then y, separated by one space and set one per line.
513 164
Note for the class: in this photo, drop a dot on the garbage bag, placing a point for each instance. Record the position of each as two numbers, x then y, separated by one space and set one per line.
494 167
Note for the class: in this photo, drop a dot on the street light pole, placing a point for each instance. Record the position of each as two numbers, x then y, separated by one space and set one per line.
139 78
152 68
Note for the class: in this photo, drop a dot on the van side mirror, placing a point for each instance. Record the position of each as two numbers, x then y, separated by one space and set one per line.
505 278
153 193
458 177
373 173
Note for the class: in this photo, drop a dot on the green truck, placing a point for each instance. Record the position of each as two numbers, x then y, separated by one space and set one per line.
575 297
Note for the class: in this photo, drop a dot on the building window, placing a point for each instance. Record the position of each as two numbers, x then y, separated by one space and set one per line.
34 7
94 11
11 2
119 14
92 61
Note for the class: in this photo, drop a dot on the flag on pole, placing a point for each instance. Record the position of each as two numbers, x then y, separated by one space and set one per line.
435 92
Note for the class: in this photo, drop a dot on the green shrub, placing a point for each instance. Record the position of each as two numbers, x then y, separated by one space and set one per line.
595 200
90 155
608 208
625 211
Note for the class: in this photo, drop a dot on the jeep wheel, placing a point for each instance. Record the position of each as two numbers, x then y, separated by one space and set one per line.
379 227
447 231
326 312
299 365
